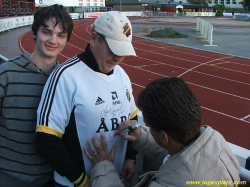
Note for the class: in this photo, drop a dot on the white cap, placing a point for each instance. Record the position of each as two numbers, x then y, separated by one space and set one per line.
117 29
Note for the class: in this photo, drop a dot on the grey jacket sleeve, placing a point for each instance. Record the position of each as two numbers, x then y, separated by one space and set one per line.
104 175
149 147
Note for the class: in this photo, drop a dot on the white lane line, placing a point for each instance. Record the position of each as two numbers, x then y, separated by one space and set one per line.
232 80
202 65
207 108
248 99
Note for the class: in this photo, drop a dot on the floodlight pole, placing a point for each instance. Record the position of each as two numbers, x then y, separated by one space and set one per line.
120 5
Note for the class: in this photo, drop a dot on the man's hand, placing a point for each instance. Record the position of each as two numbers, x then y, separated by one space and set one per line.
128 170
99 154
132 136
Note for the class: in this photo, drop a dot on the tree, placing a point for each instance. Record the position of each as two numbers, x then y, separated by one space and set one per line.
220 9
246 4
198 2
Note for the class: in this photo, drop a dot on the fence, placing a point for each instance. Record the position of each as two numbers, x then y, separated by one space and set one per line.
242 17
2 59
88 15
15 22
158 14
206 30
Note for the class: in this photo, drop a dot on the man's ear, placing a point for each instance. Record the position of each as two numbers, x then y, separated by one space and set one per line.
93 35
164 137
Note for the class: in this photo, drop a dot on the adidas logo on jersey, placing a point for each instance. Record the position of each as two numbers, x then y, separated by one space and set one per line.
99 101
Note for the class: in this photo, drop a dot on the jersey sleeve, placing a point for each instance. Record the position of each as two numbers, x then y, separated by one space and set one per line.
134 109
53 116
56 104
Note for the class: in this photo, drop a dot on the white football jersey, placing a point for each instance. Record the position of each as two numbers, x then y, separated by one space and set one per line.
85 103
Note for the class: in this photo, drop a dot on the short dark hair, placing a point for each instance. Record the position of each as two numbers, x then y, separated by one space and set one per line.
54 11
169 105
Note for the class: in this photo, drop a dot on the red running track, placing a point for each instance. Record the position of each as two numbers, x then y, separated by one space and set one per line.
220 82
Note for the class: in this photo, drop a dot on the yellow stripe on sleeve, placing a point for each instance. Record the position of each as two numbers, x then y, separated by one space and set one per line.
48 130
84 182
79 179
134 113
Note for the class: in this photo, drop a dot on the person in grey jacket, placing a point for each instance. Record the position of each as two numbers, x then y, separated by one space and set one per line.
22 79
191 154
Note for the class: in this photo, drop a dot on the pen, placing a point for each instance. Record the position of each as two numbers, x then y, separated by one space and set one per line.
129 129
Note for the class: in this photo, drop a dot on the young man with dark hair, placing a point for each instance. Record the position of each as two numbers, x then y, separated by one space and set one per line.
89 94
59 15
22 79
174 137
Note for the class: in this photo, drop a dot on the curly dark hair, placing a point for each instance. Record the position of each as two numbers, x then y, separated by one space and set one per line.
169 105
54 11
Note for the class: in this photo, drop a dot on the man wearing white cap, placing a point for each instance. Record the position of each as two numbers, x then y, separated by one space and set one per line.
89 94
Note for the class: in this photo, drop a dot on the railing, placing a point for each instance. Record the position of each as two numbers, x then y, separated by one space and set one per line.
98 9
15 22
242 17
206 30
244 174
157 14
3 59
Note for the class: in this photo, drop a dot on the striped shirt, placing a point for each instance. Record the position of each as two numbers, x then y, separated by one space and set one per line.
21 85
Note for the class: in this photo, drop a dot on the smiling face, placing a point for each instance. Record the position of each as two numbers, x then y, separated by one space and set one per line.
104 57
50 40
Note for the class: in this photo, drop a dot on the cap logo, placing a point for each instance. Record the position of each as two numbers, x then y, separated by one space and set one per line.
126 30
